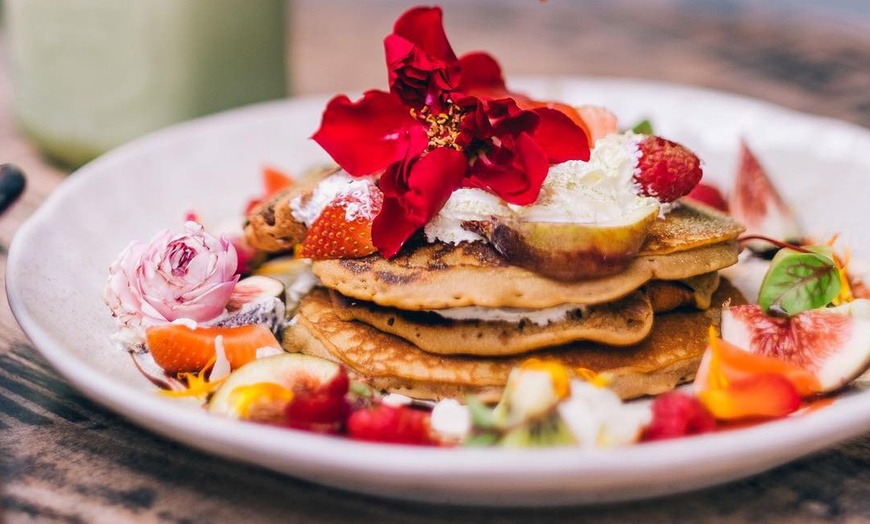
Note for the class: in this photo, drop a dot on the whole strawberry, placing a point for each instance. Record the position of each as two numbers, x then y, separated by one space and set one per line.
343 229
666 170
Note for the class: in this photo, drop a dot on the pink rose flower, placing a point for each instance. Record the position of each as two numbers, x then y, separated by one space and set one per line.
189 275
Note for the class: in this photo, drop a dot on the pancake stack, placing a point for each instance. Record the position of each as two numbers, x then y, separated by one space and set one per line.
419 323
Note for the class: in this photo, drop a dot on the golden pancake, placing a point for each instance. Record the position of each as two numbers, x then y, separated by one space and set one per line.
665 295
440 276
620 323
669 356
689 226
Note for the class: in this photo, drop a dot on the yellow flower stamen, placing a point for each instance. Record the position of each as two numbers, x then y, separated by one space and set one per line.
442 128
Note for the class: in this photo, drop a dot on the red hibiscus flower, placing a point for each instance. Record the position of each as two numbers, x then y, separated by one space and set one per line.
446 123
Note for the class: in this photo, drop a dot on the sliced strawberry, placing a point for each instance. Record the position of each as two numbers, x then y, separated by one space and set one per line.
343 229
393 424
666 170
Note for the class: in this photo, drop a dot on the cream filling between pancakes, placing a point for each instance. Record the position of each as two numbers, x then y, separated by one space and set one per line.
539 317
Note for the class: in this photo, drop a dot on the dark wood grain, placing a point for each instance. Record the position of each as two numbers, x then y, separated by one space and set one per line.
65 459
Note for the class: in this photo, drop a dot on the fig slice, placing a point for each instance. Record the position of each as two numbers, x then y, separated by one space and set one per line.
831 343
272 376
755 202
568 251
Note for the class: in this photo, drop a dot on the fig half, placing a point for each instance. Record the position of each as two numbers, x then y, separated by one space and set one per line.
757 204
568 251
831 343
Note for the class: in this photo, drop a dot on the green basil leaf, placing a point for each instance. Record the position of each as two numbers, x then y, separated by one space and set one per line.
798 282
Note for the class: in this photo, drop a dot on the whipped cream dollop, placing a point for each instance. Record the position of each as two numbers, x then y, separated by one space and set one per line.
600 190
464 204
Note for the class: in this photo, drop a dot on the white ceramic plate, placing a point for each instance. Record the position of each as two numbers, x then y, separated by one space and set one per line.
59 260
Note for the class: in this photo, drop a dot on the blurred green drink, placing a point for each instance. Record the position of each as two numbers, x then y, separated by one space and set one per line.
92 74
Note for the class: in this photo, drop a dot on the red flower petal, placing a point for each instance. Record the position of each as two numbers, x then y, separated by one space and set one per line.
559 137
367 136
424 27
422 67
481 76
515 171
508 119
414 191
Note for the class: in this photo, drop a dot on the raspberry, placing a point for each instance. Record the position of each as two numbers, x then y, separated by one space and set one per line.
393 424
666 170
323 409
677 414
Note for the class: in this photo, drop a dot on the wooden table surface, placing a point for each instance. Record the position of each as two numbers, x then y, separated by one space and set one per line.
65 459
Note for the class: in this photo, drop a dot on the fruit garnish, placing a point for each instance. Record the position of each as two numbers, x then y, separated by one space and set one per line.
285 389
831 343
251 289
343 229
178 348
391 424
756 203
677 414
799 281
569 250
666 170
733 384
322 409
708 195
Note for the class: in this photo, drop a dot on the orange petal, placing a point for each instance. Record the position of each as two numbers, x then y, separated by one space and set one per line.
727 363
275 180
765 395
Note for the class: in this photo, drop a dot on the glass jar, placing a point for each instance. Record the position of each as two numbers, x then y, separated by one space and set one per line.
92 74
